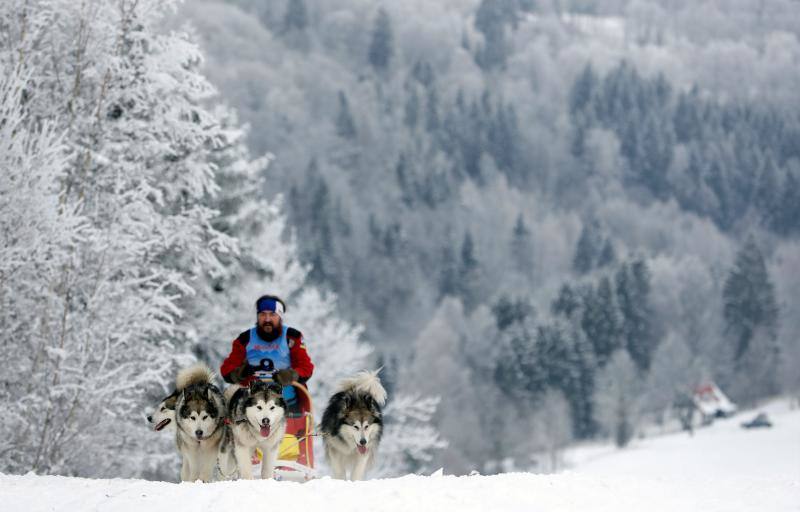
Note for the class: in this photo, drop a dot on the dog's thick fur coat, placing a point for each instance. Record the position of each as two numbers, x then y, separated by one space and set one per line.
352 425
257 415
200 421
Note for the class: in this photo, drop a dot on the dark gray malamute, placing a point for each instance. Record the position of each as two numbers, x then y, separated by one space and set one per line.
352 425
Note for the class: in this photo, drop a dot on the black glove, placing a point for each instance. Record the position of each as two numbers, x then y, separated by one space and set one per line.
242 372
285 377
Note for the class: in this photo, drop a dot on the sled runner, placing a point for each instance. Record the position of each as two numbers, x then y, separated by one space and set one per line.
296 453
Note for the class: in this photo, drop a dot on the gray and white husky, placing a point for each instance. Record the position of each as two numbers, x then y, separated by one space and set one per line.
201 432
257 415
352 425
163 416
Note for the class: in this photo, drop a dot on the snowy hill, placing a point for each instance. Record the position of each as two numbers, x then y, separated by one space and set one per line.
722 468
723 449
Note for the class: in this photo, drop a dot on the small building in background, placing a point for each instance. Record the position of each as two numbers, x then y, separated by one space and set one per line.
712 403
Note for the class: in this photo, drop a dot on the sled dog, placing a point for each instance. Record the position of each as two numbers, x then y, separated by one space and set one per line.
351 425
257 416
200 423
164 414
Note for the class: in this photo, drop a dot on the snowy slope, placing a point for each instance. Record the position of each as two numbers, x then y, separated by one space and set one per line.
723 449
722 468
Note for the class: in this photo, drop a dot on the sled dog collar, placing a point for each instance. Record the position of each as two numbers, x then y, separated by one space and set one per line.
270 305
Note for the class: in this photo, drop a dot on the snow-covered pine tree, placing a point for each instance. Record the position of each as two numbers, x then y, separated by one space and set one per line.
751 324
381 47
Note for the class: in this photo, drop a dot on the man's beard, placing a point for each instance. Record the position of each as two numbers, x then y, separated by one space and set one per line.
271 334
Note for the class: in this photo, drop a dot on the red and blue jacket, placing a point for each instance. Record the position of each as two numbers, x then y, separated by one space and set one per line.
299 359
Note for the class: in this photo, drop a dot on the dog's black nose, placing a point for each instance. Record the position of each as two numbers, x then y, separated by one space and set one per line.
363 442
265 422
150 419
198 433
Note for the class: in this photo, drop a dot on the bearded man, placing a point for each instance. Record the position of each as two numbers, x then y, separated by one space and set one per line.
269 351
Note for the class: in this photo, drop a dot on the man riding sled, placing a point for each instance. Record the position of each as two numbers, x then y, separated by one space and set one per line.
269 351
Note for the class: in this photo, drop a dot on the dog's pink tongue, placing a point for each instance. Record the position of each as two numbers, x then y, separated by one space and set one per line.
362 449
264 431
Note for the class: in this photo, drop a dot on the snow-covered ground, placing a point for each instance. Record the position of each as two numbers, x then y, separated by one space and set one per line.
723 449
721 468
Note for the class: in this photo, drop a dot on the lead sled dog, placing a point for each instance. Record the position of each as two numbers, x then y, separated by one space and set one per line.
257 415
352 425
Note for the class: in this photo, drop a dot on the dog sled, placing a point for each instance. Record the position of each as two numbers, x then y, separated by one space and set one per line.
296 453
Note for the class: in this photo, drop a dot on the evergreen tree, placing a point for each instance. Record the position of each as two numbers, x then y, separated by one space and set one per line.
508 312
522 248
345 125
564 358
749 298
432 110
491 19
449 273
404 180
381 47
607 254
296 17
468 272
654 154
583 91
411 111
567 302
600 320
587 248
633 297
787 217
423 73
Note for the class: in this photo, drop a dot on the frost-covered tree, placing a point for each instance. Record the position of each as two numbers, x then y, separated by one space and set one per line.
522 248
409 441
381 47
552 429
751 318
601 320
618 398
345 125
442 368
296 17
129 102
587 248
38 237
633 297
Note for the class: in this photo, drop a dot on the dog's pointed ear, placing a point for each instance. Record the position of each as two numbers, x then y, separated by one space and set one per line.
275 388
344 405
169 402
375 410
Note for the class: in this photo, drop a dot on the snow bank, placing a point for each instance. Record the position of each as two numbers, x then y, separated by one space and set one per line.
507 493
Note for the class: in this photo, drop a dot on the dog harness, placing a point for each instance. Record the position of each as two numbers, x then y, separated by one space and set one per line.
268 356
